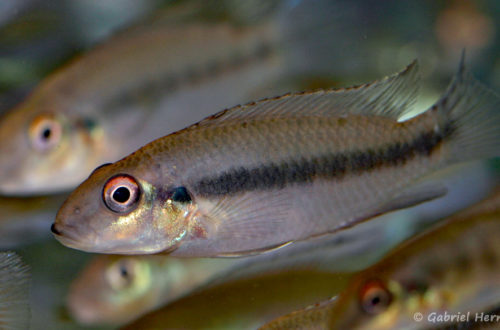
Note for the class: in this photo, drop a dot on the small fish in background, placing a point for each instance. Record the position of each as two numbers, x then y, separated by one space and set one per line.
27 220
118 289
14 292
143 83
452 267
257 177
244 304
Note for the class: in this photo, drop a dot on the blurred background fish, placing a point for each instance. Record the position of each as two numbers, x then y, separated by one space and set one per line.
118 289
453 267
141 84
14 292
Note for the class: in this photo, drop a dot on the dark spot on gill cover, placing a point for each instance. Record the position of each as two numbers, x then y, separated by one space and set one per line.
181 195
176 194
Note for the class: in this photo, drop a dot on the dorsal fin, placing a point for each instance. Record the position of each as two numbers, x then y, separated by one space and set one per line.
390 97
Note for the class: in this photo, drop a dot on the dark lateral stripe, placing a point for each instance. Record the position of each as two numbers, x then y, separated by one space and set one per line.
190 75
276 176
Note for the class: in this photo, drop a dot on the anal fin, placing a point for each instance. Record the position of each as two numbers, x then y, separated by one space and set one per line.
414 195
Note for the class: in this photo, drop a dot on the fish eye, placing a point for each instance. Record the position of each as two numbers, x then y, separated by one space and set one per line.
45 132
121 193
375 297
122 273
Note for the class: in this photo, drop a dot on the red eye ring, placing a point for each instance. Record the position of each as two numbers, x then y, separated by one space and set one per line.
374 297
121 193
45 132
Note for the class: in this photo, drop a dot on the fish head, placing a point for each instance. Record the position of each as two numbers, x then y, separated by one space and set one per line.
119 210
368 303
44 149
377 300
113 289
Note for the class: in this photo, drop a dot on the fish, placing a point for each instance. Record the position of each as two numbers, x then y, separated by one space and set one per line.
114 289
243 304
25 220
453 267
144 82
257 177
118 289
14 292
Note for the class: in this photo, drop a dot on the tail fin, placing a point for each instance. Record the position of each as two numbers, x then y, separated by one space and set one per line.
473 111
14 292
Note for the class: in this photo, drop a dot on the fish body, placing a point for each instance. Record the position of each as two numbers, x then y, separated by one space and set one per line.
14 292
450 268
256 177
243 304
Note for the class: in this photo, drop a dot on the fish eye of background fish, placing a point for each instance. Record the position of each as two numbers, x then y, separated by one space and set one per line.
45 132
122 274
374 297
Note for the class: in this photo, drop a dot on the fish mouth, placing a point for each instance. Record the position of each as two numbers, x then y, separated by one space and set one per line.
69 238
54 230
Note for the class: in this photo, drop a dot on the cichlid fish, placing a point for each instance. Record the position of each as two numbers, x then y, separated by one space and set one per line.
27 219
284 169
453 267
243 304
141 84
118 289
14 292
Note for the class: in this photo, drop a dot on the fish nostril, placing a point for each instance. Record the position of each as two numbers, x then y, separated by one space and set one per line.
54 230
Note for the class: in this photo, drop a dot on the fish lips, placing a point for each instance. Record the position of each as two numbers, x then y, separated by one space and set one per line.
69 237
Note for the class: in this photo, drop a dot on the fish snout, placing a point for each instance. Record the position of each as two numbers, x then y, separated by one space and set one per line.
54 229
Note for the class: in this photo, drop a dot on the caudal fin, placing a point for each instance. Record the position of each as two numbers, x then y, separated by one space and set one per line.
14 292
471 112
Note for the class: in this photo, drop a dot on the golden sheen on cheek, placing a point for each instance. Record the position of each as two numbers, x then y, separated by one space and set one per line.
127 226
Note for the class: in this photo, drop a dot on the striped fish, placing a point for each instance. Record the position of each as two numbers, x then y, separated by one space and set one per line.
453 267
256 177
